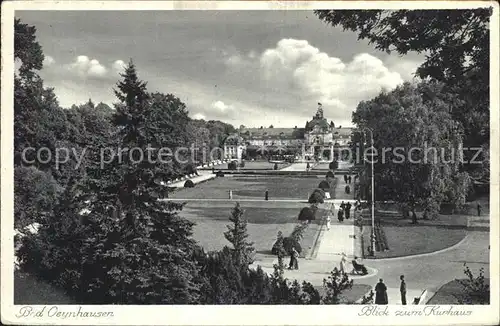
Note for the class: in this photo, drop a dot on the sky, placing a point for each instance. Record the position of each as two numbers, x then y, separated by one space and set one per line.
252 68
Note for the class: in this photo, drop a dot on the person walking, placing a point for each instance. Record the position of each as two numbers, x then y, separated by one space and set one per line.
478 209
348 210
345 178
328 221
402 289
343 263
342 205
340 215
295 256
381 293
291 265
349 179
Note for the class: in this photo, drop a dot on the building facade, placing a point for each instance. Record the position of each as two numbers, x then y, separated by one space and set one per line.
319 139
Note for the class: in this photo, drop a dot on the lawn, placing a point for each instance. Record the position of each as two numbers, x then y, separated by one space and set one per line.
210 235
452 293
263 225
30 290
351 295
251 187
261 165
416 239
322 166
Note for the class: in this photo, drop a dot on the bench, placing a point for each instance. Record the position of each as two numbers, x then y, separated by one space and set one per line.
358 268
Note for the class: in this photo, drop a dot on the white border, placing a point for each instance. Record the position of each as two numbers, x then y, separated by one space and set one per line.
233 315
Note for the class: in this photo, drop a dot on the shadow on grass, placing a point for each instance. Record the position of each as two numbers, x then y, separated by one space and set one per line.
30 290
452 293
351 295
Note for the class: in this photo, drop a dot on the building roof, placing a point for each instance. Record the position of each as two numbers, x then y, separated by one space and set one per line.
321 122
279 133
342 131
289 133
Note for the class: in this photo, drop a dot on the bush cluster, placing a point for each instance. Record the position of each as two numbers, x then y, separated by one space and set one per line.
317 197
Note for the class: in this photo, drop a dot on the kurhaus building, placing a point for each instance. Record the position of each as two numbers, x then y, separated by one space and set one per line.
319 138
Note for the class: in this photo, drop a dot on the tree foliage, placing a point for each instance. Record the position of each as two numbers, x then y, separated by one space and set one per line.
237 235
456 44
476 288
35 195
130 247
336 283
422 166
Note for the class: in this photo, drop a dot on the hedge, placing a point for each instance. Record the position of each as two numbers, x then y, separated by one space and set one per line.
324 185
307 214
317 197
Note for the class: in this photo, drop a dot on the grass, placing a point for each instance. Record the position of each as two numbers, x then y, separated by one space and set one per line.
261 165
263 225
251 187
30 290
253 215
351 295
452 293
322 166
416 239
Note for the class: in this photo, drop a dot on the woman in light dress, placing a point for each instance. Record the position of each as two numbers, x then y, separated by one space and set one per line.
329 217
343 263
328 221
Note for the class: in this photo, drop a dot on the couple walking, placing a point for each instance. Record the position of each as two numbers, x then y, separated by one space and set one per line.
344 211
381 292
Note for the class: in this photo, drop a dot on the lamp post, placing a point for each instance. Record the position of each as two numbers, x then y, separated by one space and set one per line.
372 238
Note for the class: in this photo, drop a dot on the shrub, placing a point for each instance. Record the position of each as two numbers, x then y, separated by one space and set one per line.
190 169
242 164
476 289
232 165
278 248
289 243
330 174
298 232
219 174
284 245
333 165
317 197
324 185
189 184
307 214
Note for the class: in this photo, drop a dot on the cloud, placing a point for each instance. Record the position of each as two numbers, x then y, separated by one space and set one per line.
302 75
317 76
119 65
84 67
48 61
220 106
199 116
406 67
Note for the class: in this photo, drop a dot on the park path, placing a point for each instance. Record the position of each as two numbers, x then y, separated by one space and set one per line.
296 167
203 176
429 272
422 272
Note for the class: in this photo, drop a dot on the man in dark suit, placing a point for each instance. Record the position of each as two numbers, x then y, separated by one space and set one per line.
402 289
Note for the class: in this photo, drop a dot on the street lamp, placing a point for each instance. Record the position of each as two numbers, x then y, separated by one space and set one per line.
372 238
